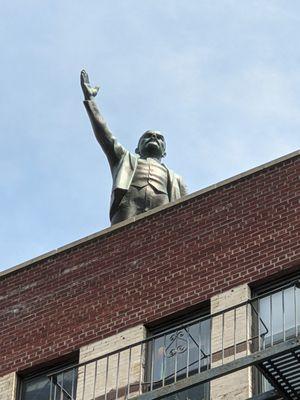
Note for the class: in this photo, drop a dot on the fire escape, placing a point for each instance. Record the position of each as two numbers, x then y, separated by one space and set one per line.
182 362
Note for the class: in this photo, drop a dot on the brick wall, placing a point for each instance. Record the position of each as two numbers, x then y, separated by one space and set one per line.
239 232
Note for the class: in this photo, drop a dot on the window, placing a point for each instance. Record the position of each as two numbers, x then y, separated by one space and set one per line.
279 312
36 385
178 350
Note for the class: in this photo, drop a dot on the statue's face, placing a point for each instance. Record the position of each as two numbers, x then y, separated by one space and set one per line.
152 144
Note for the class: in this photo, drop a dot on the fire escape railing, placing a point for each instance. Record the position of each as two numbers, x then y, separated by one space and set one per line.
178 353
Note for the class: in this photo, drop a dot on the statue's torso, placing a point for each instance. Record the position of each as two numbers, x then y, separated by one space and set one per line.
148 190
151 172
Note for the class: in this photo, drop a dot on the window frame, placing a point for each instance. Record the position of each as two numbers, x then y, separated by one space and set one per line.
42 370
166 325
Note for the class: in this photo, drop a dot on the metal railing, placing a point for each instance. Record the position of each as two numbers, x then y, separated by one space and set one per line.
178 353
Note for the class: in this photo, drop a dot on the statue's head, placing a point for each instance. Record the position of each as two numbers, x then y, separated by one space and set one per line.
151 144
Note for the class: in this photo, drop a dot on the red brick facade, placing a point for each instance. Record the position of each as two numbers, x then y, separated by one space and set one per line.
240 232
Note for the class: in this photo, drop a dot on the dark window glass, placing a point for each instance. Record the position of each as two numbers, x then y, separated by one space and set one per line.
178 353
198 392
279 312
37 387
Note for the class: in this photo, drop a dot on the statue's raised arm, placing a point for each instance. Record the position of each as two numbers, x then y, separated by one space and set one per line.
140 180
113 150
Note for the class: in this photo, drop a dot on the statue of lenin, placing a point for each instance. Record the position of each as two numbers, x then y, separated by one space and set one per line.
140 181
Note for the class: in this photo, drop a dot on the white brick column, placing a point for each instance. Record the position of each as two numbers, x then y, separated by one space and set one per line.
8 385
112 381
229 342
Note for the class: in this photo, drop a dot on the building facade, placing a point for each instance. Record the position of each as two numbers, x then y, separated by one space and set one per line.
195 300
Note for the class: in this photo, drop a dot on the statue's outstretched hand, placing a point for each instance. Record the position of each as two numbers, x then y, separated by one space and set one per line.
87 89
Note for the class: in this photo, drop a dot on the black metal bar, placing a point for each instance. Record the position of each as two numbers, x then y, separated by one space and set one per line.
204 355
296 306
73 382
84 380
62 390
128 375
222 370
185 327
159 335
62 386
274 382
247 328
117 377
51 387
188 354
106 378
152 364
258 316
271 319
270 395
164 362
283 314
223 326
141 368
234 331
199 348
176 357
95 379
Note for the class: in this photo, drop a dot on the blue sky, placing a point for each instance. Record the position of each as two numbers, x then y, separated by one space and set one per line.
220 78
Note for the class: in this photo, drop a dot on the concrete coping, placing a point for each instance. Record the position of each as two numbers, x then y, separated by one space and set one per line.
129 221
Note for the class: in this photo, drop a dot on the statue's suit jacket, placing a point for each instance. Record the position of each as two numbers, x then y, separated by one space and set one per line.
122 163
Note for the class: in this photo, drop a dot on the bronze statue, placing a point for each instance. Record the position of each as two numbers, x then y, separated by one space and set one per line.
140 181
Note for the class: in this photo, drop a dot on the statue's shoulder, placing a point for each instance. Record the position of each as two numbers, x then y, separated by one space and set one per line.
129 158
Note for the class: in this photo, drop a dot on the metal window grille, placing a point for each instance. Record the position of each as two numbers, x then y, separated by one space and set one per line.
171 358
